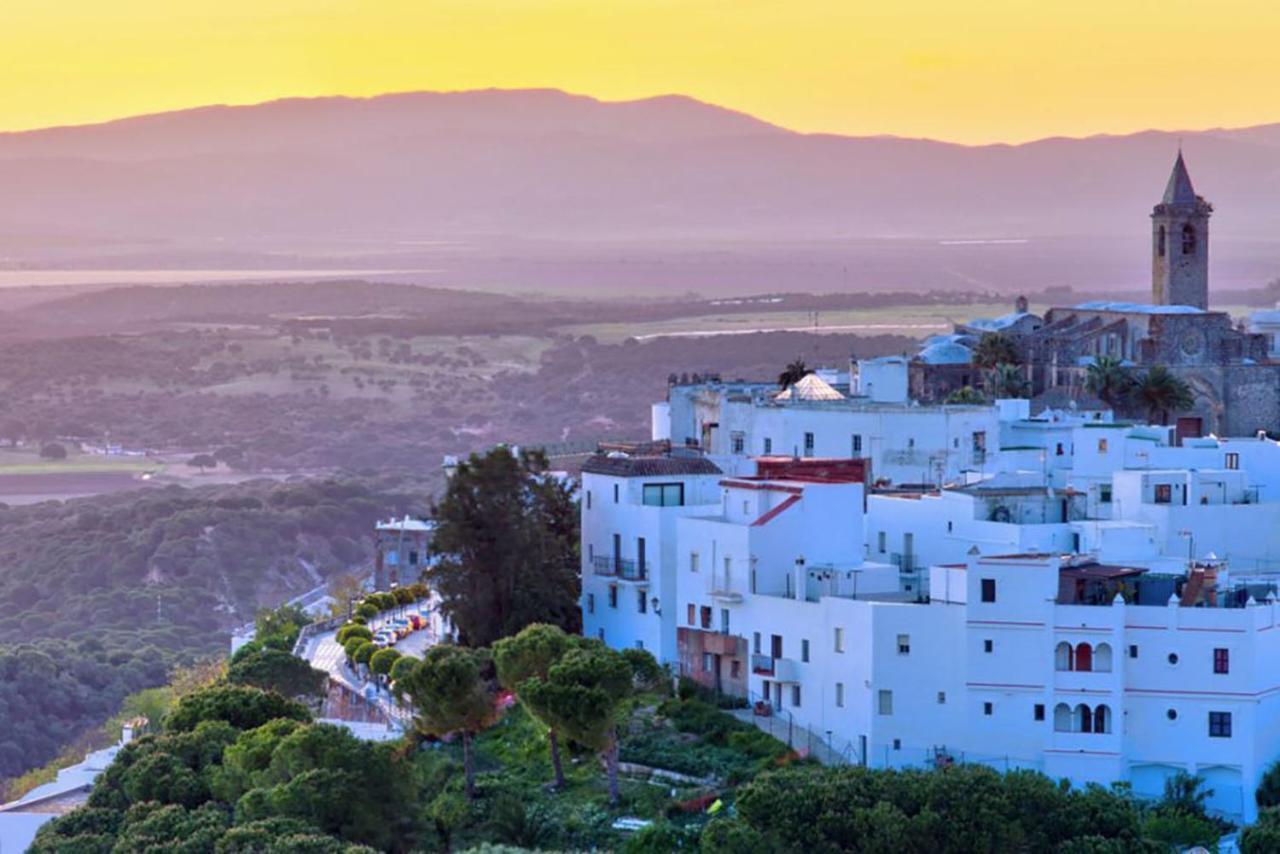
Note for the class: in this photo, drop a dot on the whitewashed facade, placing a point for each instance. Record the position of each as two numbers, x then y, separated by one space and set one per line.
1088 598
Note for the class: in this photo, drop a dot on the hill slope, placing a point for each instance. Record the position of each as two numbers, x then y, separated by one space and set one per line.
540 163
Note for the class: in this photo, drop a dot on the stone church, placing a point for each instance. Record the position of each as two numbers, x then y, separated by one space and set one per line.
1236 387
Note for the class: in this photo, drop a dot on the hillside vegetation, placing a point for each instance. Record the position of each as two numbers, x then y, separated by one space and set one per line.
103 596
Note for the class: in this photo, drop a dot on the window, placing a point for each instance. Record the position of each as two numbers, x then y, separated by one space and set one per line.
808 444
881 541
588 499
663 495
591 603
1171 714
839 639
693 614
942 698
600 633
795 696
885 702
708 662
1104 494
613 595
1233 461
1164 493
988 590
704 616
1058 450
615 493
804 650
639 644
642 603
724 621
1173 658
904 644
949 526
1038 714
980 443
988 709
1221 660
988 645
1188 239
735 669
755 642
839 695
1102 446
739 442
693 561
897 744
1133 650
857 444
1220 725
1160 235
768 446
911 443
413 558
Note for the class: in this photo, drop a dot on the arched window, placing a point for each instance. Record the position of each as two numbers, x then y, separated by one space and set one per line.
1102 719
1062 718
1102 658
1084 719
1160 241
1084 657
1063 656
1188 239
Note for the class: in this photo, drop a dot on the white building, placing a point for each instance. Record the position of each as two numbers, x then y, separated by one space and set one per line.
905 442
1092 599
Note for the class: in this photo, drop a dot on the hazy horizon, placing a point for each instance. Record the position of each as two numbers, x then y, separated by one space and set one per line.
887 133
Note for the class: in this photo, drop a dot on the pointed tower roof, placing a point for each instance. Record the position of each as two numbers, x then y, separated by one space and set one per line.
1179 190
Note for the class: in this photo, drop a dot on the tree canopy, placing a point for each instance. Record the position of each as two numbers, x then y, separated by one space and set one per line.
452 696
506 545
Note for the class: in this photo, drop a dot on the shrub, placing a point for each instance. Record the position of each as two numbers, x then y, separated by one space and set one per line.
352 630
1269 787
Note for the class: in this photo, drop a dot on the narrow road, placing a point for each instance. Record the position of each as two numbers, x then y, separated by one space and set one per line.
324 653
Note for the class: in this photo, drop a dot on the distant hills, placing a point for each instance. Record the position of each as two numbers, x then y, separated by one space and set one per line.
544 164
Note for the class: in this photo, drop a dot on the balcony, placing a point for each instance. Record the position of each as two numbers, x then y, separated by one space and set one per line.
776 668
624 569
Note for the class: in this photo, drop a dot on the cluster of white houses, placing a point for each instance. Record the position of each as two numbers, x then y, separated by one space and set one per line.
927 584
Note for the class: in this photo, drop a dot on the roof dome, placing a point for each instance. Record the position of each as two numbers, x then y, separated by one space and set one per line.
946 353
810 387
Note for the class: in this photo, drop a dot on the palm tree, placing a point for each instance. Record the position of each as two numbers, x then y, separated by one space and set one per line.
1007 381
995 348
1161 392
794 372
1108 380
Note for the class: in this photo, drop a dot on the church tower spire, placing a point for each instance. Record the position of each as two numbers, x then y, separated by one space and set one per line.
1180 243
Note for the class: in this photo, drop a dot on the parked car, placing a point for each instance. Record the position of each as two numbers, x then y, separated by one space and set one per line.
401 627
386 638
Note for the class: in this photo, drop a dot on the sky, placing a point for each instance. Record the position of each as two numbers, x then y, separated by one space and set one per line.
973 72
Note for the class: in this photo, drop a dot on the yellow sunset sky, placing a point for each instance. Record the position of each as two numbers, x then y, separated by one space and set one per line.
972 72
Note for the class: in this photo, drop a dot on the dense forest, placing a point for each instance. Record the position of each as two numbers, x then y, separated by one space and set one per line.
102 596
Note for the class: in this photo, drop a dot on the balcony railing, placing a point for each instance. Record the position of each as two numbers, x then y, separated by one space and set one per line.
624 568
762 665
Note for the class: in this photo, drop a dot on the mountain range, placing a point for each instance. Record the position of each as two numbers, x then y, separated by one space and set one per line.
542 164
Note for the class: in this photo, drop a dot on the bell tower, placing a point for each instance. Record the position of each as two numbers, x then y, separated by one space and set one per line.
1180 243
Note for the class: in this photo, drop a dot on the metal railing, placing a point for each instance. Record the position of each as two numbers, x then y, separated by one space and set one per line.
627 569
782 725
